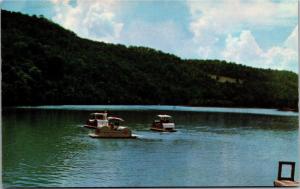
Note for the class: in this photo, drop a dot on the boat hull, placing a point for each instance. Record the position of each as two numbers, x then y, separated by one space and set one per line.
162 129
90 126
93 135
111 132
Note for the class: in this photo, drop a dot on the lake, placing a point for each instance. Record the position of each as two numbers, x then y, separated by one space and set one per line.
47 146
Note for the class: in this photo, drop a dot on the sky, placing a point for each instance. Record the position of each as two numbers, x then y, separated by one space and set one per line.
257 33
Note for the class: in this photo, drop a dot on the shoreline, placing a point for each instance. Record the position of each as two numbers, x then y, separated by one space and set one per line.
259 111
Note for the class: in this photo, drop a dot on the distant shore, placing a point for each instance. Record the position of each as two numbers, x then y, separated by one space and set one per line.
260 111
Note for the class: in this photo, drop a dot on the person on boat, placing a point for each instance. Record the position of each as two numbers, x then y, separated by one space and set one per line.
111 125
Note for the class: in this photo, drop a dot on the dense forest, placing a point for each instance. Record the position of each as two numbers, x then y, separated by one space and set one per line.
43 63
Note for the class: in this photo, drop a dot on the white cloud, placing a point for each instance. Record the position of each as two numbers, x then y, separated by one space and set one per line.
58 2
90 19
216 21
223 16
244 49
292 41
282 58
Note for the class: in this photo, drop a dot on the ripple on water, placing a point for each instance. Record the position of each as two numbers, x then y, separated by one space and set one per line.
57 151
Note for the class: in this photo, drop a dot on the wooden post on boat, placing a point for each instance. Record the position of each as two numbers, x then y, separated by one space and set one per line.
286 181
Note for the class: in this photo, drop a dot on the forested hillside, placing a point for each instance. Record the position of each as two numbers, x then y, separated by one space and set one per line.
43 63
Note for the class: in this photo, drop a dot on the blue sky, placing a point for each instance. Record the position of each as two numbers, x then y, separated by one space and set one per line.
258 33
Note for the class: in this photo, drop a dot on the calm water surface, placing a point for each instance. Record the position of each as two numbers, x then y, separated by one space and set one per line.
47 146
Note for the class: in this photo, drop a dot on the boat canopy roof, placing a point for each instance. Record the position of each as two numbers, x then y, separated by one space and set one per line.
115 118
164 116
102 116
